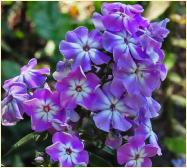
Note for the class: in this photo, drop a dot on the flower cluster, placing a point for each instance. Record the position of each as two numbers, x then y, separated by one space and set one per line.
109 73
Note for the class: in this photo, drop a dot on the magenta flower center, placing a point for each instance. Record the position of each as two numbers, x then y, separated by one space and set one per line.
86 48
78 88
46 108
68 151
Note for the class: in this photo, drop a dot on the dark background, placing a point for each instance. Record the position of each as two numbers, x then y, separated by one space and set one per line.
34 29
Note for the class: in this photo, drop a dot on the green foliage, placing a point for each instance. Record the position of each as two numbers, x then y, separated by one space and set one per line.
176 144
49 23
97 161
10 69
169 60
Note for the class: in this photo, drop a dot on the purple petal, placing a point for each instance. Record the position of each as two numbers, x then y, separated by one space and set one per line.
136 8
103 119
69 50
62 137
76 143
146 163
97 21
39 125
150 150
137 141
82 34
110 40
31 64
109 20
94 40
119 122
65 162
82 158
101 101
53 151
84 62
117 87
123 154
98 57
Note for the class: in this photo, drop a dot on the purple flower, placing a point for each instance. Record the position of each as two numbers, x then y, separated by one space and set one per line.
83 47
68 150
33 78
179 162
146 131
43 108
122 44
118 16
77 88
136 153
140 77
62 70
11 105
110 111
153 34
113 140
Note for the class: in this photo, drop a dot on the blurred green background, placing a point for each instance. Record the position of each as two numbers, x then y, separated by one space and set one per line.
34 29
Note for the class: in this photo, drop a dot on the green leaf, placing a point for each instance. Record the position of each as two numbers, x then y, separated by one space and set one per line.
108 150
174 77
181 101
176 145
9 69
169 60
179 42
48 21
23 141
97 161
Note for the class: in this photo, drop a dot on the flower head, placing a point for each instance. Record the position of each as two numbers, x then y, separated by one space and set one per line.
68 150
139 77
43 107
136 153
12 104
126 17
83 47
110 111
77 88
33 78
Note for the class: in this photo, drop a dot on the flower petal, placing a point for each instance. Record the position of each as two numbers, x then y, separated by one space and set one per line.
103 119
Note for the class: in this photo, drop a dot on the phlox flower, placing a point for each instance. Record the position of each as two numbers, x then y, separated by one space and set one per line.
12 104
77 88
33 78
110 111
68 150
43 107
83 47
136 153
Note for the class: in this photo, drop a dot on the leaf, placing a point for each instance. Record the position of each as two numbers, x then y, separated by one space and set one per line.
174 77
23 141
176 145
155 9
97 161
108 150
181 101
179 42
9 69
48 21
169 60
